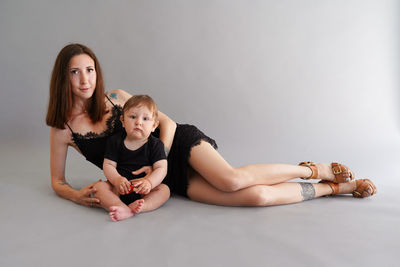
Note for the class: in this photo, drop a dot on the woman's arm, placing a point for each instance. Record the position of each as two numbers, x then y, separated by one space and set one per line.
58 156
167 125
167 130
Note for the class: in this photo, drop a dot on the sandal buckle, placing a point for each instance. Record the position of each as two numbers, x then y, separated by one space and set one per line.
337 170
307 163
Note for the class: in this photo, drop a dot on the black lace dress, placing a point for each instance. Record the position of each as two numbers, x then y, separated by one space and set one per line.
92 146
186 137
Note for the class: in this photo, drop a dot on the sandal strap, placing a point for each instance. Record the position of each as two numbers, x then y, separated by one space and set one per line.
342 173
313 167
335 187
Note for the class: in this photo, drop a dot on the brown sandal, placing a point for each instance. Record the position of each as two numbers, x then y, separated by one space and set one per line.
364 188
341 172
335 187
313 167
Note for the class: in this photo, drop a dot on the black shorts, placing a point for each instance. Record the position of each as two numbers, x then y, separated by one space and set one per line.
130 198
186 137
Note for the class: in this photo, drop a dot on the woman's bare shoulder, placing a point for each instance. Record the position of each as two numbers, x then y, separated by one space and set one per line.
118 96
61 136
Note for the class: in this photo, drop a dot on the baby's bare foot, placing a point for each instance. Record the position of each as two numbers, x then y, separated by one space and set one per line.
118 213
137 206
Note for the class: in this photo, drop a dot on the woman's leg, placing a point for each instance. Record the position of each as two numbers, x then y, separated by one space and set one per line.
260 195
205 160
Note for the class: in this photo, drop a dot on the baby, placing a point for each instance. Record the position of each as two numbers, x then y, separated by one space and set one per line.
130 150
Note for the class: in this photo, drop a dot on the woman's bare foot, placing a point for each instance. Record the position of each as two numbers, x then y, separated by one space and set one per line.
325 172
118 213
334 172
137 206
347 188
361 188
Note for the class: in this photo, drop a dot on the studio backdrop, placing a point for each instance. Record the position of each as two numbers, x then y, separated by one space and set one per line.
270 80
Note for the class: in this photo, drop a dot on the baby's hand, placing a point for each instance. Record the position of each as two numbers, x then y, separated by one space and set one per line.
124 186
141 186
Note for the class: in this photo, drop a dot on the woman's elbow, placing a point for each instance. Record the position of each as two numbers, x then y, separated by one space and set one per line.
56 183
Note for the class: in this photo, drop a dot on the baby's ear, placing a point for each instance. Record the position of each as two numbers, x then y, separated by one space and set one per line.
156 123
121 118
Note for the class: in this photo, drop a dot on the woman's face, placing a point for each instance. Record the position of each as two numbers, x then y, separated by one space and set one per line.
82 76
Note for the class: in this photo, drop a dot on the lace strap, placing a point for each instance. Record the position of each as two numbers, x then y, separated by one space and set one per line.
70 128
110 100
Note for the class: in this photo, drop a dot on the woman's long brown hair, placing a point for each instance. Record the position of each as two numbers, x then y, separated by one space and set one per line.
61 100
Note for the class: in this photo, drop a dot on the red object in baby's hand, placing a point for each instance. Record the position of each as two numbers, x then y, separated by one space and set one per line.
131 190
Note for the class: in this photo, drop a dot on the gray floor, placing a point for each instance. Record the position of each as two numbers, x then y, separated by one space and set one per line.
41 229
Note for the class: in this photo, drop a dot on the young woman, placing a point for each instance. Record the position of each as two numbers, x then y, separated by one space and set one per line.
83 116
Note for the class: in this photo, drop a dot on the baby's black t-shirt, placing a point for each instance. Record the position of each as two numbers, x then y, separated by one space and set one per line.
131 160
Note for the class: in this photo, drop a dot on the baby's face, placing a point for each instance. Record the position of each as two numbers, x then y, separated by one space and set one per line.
138 122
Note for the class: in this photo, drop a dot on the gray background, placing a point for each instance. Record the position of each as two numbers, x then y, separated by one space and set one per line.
271 81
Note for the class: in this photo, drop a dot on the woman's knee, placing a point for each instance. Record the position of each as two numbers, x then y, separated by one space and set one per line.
260 195
230 181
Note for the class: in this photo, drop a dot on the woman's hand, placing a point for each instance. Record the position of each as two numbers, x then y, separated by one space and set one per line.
141 186
124 186
85 196
146 169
